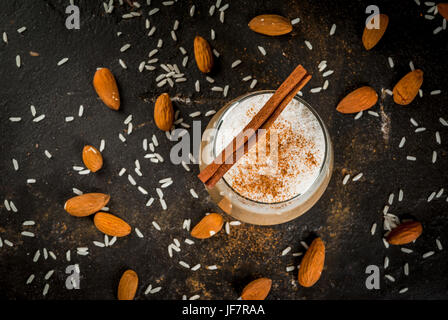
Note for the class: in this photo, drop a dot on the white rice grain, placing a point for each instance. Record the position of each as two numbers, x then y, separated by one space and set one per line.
196 267
438 139
402 142
62 61
391 62
163 204
327 73
333 29
15 164
253 83
153 11
389 277
309 45
36 256
286 251
439 245
30 279
235 63
406 269
138 232
421 129
373 229
99 244
142 190
156 225
45 291
39 118
193 193
125 47
131 180
27 234
386 262
122 64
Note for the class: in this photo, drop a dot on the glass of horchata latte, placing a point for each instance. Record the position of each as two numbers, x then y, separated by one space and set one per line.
283 174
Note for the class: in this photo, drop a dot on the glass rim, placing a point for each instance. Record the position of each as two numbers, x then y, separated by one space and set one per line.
319 120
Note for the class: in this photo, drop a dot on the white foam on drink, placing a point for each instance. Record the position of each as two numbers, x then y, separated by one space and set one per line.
276 176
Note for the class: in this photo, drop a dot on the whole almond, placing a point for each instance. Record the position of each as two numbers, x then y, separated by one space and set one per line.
92 158
407 88
163 112
270 25
86 204
371 37
111 225
128 285
257 289
361 99
203 54
106 88
312 263
208 226
442 8
405 233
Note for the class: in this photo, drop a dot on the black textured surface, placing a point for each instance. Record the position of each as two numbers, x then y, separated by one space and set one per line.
344 215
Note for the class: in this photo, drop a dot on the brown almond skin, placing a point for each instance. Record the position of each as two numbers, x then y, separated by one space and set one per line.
405 233
371 37
407 88
106 88
312 263
111 225
442 8
212 222
92 158
257 289
128 285
203 54
270 25
361 99
164 112
86 204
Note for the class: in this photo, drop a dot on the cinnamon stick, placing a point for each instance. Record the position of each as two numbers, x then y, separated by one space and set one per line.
262 120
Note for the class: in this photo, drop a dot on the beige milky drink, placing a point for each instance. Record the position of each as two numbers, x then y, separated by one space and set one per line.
295 158
281 176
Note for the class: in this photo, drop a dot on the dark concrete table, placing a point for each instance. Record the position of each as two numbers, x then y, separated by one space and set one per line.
344 215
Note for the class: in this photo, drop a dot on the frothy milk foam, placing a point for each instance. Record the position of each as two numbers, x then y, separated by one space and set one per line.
277 176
